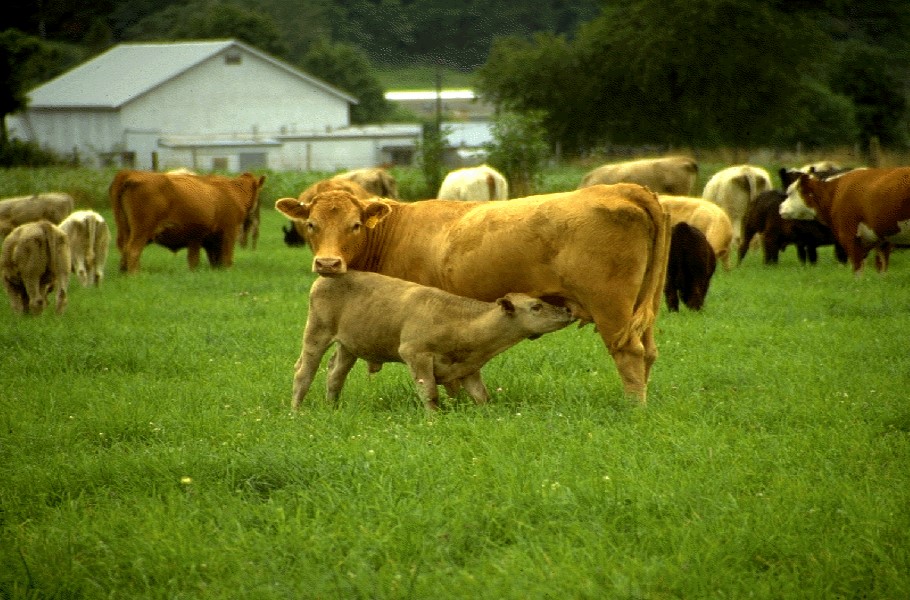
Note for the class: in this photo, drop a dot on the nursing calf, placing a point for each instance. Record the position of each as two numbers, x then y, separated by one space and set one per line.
35 261
444 339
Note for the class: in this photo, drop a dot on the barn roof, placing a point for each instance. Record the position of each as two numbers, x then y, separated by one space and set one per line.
128 71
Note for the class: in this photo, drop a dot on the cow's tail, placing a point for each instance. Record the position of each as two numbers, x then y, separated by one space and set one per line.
647 304
115 193
91 232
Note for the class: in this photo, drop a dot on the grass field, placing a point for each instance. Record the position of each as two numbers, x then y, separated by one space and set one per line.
147 449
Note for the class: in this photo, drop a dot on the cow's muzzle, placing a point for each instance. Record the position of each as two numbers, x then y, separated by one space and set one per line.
326 265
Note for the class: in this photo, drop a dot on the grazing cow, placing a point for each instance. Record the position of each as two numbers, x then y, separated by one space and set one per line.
89 239
444 339
35 261
474 183
763 217
375 180
181 211
53 206
705 216
600 251
733 189
295 232
865 209
689 267
673 175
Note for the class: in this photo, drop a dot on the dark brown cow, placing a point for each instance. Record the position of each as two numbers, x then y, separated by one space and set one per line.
34 261
763 217
865 209
689 268
600 251
179 210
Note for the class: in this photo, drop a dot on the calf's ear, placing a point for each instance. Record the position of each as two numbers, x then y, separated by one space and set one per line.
506 305
293 208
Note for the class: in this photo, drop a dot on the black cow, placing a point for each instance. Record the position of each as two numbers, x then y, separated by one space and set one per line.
763 217
689 268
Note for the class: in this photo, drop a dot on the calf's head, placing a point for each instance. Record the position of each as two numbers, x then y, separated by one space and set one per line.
335 225
533 315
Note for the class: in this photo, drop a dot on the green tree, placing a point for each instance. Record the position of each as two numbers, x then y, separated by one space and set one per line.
206 20
348 68
519 149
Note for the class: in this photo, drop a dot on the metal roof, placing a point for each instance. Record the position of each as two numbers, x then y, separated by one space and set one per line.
128 71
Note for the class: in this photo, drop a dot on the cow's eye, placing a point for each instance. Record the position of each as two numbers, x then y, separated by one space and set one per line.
310 226
537 307
355 228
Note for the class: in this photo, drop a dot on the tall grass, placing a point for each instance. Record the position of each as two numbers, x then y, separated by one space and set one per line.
147 449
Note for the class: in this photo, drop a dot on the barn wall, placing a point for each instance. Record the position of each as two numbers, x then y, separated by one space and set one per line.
86 132
251 97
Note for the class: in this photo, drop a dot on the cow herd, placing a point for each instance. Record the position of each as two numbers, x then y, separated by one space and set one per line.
443 285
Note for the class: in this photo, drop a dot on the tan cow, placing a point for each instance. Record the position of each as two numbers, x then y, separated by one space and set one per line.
733 189
668 175
705 216
181 211
375 180
89 239
474 183
444 339
600 251
295 232
53 206
35 261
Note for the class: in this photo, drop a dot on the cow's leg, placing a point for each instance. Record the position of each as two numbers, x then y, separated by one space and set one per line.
474 386
17 297
129 256
62 284
81 271
811 253
36 294
192 254
633 354
339 367
421 367
882 254
314 346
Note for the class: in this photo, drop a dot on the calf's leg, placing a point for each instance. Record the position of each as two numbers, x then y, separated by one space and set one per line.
314 346
421 367
339 367
474 386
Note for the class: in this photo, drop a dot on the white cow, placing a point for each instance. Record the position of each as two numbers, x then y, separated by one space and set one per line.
733 189
34 261
89 239
474 183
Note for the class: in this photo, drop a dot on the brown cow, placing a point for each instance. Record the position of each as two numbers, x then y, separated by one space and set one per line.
705 216
674 175
375 180
474 183
35 261
443 338
89 238
865 209
53 206
181 211
295 232
600 251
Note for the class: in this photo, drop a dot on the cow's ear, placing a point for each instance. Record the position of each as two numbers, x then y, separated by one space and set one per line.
293 208
506 305
374 212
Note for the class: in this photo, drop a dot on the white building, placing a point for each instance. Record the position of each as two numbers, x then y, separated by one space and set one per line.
208 105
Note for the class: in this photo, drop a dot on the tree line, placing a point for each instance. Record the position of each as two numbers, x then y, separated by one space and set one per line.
693 73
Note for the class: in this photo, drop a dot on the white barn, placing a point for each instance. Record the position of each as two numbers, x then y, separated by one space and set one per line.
207 105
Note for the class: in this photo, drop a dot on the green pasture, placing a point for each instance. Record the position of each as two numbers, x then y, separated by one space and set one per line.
147 449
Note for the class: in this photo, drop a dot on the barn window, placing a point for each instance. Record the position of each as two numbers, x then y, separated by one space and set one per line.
232 57
219 164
